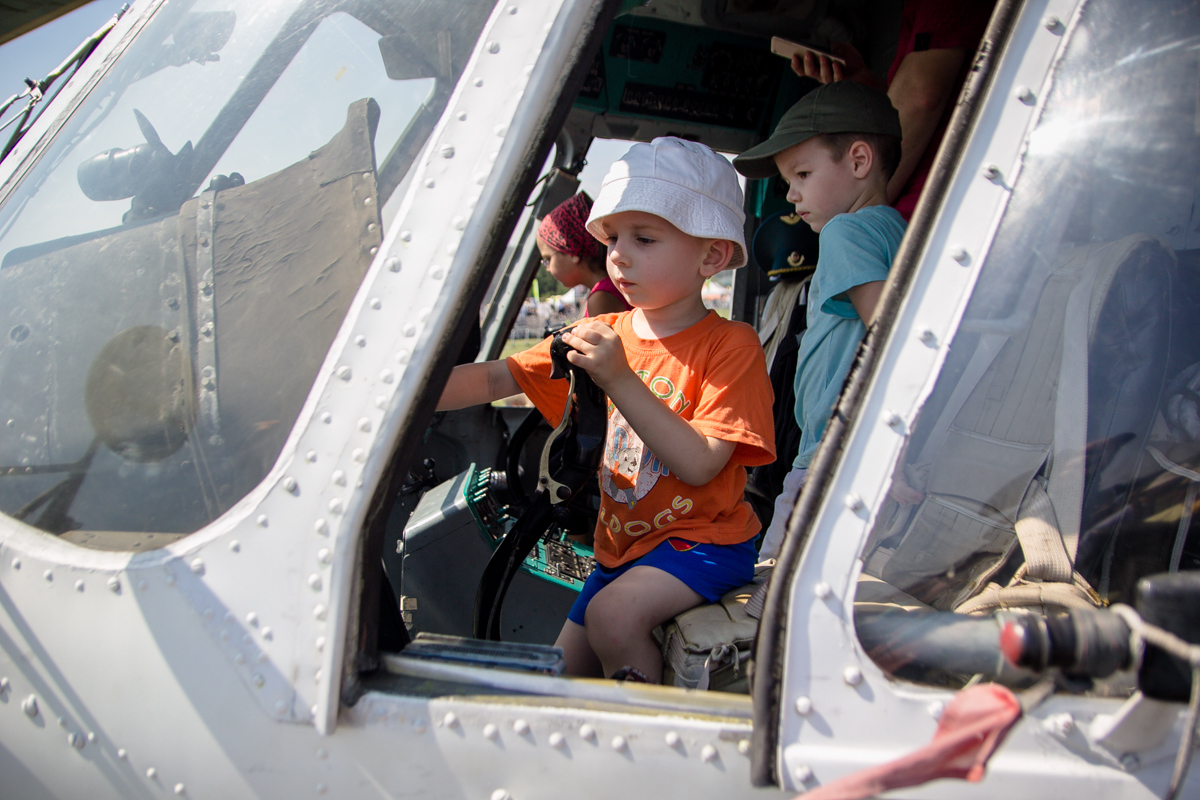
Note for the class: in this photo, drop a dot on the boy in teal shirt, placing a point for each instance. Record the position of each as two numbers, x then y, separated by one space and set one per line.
836 148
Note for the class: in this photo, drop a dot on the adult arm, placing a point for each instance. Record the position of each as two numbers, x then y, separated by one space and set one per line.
474 384
920 91
691 455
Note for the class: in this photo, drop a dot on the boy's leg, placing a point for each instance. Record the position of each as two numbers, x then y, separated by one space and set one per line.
623 614
581 660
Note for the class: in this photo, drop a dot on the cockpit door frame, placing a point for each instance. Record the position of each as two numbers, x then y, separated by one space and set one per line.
823 708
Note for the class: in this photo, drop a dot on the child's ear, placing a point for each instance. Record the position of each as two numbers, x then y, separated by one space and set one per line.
717 257
862 158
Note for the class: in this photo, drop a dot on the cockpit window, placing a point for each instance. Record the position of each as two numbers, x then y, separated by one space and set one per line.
1057 460
176 265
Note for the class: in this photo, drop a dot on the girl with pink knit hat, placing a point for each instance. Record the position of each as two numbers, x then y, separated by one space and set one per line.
575 258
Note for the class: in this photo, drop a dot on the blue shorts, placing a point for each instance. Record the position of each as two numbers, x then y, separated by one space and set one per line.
710 570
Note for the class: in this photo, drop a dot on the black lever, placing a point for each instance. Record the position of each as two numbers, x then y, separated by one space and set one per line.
571 455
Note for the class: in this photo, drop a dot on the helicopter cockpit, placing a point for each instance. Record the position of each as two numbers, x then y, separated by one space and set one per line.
183 257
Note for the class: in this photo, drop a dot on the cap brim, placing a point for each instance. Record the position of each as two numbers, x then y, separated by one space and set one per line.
759 161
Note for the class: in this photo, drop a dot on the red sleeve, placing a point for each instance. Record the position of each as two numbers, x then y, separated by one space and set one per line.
735 404
940 25
951 23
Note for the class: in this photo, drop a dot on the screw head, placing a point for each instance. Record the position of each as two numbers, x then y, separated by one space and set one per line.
1026 95
30 706
853 502
961 255
708 753
490 732
822 590
556 740
804 706
1054 25
852 676
450 720
672 739
587 732
520 727
803 773
618 743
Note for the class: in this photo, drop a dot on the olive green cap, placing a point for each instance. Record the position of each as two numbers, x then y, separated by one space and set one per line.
839 107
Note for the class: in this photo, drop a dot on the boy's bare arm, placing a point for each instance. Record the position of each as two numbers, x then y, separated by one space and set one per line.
693 457
865 299
474 384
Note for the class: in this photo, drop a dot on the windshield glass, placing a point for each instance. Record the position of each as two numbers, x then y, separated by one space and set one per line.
176 265
1056 461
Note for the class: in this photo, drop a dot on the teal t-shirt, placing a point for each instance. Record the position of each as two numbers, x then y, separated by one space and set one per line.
855 249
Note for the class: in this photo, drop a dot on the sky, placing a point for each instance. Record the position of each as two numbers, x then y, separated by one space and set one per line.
38 52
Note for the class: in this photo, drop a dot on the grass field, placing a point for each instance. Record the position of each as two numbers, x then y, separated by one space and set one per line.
517 345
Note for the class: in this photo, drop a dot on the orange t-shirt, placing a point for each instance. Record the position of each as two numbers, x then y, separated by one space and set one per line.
714 375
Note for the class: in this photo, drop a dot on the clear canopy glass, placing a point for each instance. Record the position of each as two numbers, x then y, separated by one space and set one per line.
175 266
1059 454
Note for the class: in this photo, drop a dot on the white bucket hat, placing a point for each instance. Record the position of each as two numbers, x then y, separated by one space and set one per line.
685 183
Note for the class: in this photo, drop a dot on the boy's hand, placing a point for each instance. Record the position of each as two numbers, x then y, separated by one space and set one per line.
598 350
694 457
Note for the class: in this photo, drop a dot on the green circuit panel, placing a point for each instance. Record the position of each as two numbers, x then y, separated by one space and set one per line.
664 70
554 558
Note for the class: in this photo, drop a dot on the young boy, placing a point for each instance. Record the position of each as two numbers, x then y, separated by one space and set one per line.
689 407
837 147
